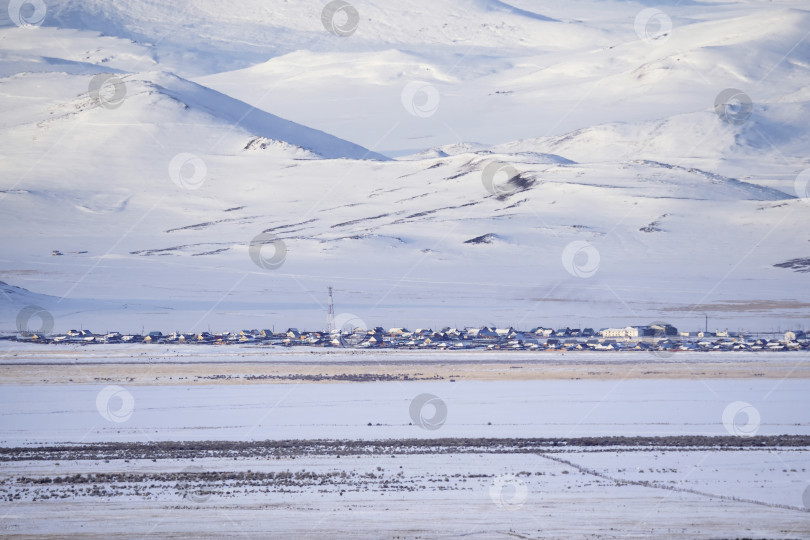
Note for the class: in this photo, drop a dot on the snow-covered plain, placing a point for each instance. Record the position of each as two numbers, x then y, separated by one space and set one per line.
225 122
698 490
401 496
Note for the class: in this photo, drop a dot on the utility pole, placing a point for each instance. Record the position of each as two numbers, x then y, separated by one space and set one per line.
330 317
707 322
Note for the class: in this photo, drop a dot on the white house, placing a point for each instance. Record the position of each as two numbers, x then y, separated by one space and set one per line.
627 332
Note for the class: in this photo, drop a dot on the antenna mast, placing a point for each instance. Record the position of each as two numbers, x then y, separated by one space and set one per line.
330 317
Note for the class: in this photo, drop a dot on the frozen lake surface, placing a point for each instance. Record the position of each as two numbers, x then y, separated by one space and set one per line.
561 408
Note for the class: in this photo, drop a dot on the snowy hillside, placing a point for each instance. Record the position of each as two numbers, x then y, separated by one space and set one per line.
571 165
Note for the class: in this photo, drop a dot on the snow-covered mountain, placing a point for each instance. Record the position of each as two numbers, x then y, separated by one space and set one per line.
564 165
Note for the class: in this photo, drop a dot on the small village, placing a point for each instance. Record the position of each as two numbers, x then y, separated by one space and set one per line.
662 338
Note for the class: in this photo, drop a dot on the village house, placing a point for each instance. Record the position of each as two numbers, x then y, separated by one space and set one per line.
654 337
626 332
